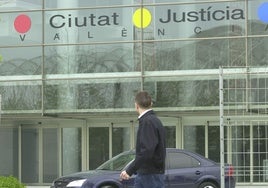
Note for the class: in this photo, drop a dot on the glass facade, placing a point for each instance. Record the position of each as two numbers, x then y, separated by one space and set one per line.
64 54
69 71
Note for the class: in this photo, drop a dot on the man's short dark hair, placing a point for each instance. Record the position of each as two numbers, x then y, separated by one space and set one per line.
143 99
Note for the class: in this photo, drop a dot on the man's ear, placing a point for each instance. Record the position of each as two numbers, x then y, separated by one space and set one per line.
137 107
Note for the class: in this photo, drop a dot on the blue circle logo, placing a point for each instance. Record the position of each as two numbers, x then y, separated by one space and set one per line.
263 12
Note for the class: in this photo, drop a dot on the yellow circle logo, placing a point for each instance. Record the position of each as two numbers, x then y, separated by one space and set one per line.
142 18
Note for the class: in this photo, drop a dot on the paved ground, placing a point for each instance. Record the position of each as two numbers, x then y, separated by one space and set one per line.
238 186
252 186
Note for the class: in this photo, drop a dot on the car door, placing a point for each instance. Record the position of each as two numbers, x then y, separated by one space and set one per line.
183 170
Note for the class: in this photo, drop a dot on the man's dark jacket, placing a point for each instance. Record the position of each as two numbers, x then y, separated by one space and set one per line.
150 146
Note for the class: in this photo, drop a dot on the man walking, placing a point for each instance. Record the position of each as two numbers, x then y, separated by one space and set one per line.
149 163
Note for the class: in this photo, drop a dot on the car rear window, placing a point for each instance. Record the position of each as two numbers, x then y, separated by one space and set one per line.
181 160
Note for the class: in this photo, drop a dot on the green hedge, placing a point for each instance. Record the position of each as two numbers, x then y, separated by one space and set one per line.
10 182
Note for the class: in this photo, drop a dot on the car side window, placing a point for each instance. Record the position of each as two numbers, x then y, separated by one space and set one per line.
181 160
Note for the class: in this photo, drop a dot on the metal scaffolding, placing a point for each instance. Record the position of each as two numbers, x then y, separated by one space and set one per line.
243 101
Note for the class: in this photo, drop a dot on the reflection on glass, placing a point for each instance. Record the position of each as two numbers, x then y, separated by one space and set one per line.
71 150
50 155
184 93
89 59
214 143
20 5
174 1
21 97
170 136
257 51
84 3
194 139
120 139
20 61
9 158
98 146
89 96
194 55
118 162
30 158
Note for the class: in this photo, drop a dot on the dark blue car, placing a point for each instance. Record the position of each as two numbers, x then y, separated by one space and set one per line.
184 169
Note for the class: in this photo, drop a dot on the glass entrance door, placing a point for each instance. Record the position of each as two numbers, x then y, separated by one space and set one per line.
42 151
111 137
50 149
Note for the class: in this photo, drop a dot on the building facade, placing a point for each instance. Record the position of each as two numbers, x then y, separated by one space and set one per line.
69 71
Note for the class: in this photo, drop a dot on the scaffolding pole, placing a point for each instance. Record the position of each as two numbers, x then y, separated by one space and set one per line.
0 109
221 127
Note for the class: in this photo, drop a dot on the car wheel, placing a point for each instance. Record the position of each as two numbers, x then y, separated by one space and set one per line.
108 186
207 185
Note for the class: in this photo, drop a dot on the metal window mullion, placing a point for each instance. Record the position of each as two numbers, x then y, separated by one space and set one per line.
40 153
132 134
179 134
142 49
110 140
19 154
43 60
60 170
206 138
87 144
246 59
84 146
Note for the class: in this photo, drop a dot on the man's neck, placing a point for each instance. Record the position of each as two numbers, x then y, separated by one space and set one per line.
143 111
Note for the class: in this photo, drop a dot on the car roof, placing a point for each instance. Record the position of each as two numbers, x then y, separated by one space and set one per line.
175 150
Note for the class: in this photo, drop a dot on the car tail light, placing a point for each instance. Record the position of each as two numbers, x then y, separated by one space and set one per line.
230 171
